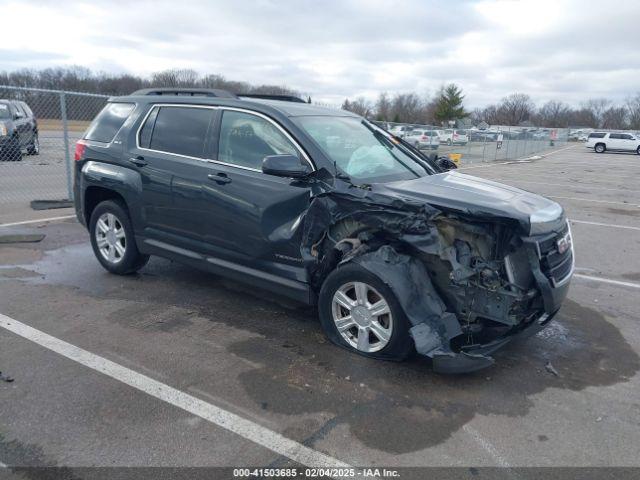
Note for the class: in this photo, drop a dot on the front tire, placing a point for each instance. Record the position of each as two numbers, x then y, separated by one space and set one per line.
359 312
34 146
15 151
113 240
600 148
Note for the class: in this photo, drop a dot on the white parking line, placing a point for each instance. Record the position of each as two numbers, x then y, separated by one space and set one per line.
40 220
517 180
606 280
580 199
216 415
486 445
3 465
608 225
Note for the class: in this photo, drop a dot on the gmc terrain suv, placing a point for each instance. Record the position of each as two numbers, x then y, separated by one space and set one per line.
325 207
18 130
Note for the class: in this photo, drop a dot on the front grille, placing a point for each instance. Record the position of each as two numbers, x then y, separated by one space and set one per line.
555 265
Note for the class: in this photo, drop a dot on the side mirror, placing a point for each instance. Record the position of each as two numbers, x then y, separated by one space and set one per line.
285 166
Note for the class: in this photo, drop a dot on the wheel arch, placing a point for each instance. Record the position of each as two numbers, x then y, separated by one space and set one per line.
94 195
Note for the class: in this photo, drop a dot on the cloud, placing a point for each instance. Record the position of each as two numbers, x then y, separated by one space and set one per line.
551 49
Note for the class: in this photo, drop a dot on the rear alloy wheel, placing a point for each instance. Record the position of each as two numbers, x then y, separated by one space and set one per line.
361 313
600 148
112 239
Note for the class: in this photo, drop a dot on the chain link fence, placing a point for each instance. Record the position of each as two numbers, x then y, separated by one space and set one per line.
477 145
38 132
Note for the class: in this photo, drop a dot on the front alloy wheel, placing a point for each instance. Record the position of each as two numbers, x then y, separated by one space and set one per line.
362 317
110 238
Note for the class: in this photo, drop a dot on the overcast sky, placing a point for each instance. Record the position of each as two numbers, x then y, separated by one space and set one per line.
332 49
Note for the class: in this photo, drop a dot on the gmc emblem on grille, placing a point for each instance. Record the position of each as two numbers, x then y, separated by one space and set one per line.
563 244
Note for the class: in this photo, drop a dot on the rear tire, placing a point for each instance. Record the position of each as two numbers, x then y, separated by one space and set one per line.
638 150
113 240
600 148
384 335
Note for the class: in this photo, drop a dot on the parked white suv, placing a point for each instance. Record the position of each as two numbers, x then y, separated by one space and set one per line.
622 142
453 137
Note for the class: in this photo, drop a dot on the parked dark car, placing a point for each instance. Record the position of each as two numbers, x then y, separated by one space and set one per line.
18 130
323 206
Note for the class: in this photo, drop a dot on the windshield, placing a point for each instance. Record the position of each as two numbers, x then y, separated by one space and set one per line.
362 151
4 111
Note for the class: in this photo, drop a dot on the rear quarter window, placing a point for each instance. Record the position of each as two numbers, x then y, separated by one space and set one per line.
180 130
105 126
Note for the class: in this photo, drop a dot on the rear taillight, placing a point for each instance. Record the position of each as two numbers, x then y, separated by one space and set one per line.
424 137
80 148
455 135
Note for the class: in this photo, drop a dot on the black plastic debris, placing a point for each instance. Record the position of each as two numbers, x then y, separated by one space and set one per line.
6 378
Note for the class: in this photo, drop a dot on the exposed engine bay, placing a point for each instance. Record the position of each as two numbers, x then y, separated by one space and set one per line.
466 281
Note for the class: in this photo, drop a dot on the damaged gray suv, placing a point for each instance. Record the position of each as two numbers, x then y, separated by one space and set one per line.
323 206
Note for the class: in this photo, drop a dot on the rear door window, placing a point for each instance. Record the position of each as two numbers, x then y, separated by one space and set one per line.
596 135
105 126
181 130
245 140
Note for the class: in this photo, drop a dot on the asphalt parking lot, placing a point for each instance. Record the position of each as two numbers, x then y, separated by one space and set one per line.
183 368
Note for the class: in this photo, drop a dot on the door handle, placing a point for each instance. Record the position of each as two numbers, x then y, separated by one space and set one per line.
220 178
139 161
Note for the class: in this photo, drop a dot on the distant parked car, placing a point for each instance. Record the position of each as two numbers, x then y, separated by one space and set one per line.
400 130
621 142
18 130
482 136
453 137
423 139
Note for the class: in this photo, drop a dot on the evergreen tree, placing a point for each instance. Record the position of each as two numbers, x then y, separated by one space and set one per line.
449 104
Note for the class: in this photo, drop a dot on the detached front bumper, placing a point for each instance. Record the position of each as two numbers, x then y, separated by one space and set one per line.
476 357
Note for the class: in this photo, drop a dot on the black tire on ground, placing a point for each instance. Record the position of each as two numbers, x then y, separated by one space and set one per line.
132 260
638 150
15 152
400 344
600 148
34 147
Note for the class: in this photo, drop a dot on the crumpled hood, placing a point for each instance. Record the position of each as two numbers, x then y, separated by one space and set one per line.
477 196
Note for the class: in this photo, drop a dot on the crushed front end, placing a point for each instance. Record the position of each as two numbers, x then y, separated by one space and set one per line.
469 279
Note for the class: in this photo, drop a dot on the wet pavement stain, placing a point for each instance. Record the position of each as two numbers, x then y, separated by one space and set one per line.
421 408
298 372
623 211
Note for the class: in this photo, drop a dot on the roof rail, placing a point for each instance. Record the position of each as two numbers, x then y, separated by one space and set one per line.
189 92
265 96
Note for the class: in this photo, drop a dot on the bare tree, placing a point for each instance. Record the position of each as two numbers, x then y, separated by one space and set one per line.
597 107
383 107
515 109
359 106
553 114
614 118
633 112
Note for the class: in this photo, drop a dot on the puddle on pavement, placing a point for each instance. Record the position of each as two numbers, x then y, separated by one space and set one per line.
420 408
302 373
